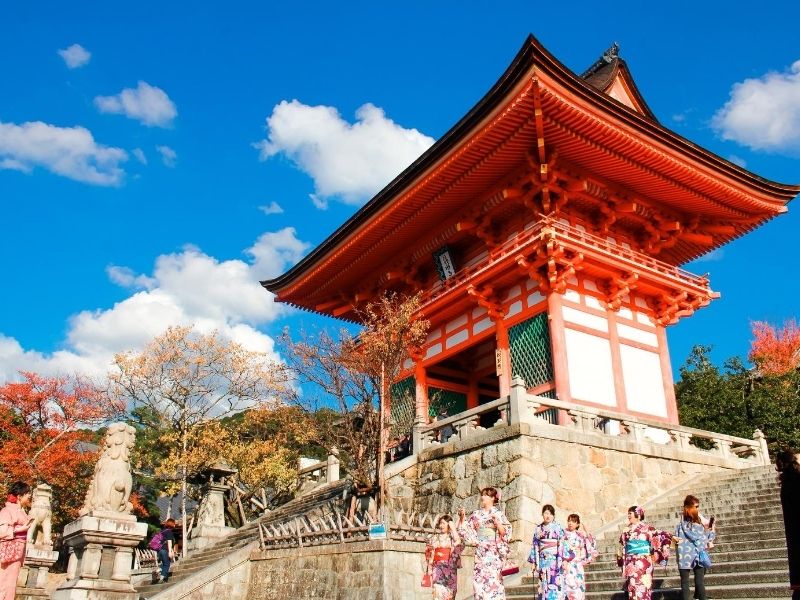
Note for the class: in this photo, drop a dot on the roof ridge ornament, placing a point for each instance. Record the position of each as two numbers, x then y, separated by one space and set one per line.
610 55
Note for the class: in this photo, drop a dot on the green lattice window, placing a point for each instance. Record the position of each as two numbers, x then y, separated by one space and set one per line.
402 407
531 354
450 401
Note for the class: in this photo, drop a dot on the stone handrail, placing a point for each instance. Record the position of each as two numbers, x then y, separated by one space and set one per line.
339 529
522 407
324 471
462 423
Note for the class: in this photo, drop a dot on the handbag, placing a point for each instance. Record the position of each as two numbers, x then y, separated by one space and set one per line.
426 580
703 559
12 551
509 568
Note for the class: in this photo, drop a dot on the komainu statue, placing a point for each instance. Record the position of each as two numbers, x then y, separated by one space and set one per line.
112 482
41 516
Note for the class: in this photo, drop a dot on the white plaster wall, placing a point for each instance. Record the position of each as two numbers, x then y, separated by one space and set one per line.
637 335
591 377
644 383
586 319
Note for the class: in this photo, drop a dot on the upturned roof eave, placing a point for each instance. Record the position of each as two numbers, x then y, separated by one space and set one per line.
531 56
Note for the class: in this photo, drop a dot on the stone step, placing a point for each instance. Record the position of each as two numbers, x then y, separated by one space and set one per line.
748 558
740 591
594 570
671 580
764 541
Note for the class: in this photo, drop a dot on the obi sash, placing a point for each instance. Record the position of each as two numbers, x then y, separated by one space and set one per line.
441 554
487 534
638 547
549 546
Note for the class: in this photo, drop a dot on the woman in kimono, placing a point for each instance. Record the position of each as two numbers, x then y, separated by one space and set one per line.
642 546
546 553
789 477
14 523
692 537
489 530
579 549
443 556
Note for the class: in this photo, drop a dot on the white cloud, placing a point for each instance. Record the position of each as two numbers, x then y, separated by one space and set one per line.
168 156
139 154
737 160
68 151
713 256
145 103
75 56
764 113
273 208
347 161
185 288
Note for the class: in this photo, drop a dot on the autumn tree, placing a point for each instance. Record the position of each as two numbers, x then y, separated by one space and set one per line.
350 373
773 351
184 379
738 399
45 436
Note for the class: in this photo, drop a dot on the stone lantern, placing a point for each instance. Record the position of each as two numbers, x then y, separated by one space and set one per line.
209 526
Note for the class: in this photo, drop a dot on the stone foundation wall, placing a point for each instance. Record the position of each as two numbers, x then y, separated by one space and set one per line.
375 570
595 475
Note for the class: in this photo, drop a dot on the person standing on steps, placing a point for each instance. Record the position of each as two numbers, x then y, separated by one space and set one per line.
546 554
14 524
578 550
693 539
164 544
789 478
642 546
490 531
443 558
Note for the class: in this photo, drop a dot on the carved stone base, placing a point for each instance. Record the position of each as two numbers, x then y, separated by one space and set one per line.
33 574
207 535
100 565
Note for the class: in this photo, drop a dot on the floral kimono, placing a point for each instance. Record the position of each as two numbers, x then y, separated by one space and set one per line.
491 550
546 555
579 549
13 528
643 546
445 551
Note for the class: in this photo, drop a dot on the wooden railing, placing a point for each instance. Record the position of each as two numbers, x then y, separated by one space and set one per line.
521 407
336 528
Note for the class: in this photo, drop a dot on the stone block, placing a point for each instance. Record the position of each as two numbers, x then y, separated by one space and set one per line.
473 465
598 457
489 457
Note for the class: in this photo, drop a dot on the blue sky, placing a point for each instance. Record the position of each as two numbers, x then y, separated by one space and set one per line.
155 161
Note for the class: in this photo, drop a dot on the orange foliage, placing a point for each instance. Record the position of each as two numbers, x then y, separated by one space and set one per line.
39 437
139 509
775 351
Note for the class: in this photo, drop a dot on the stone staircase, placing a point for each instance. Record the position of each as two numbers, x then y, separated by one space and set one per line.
749 557
314 502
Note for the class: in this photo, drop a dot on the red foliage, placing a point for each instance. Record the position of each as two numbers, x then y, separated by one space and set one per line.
39 437
775 351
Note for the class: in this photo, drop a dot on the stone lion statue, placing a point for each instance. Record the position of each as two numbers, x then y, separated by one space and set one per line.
41 515
112 481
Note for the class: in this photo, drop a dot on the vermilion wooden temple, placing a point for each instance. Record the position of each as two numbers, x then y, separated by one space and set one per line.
546 231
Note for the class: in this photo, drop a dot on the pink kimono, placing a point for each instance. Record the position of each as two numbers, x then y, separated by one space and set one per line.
491 551
13 525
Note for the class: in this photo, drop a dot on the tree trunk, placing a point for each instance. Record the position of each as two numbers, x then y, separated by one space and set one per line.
184 532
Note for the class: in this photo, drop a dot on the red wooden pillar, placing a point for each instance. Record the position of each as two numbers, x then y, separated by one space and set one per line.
472 393
503 358
421 392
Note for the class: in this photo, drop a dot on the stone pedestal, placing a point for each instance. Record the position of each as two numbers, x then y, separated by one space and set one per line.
33 575
102 556
210 527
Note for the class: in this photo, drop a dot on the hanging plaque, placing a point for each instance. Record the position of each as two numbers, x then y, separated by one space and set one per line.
444 263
